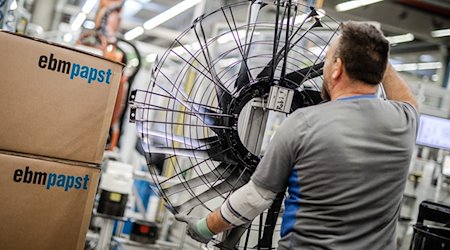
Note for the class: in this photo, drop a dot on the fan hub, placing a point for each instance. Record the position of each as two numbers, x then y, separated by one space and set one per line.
239 151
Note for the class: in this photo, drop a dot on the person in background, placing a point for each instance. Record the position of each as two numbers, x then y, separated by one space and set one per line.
344 162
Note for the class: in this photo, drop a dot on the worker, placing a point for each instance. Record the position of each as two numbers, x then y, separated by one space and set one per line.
344 162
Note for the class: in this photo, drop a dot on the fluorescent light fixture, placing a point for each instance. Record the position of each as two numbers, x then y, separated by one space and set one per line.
132 34
88 6
81 17
151 57
195 46
182 49
134 62
408 37
228 62
440 33
317 51
130 8
298 19
88 24
67 37
170 13
13 5
354 4
78 21
417 66
230 36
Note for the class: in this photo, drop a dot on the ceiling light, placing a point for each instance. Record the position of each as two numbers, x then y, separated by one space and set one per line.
434 78
81 17
195 46
298 19
427 58
186 48
132 34
134 62
67 37
130 8
78 21
429 65
417 66
151 58
440 33
182 49
88 6
408 37
88 24
354 4
13 5
240 34
168 14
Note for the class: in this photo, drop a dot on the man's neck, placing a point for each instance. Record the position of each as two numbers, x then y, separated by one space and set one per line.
353 89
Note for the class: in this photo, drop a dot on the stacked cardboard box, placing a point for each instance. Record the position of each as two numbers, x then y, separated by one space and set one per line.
56 105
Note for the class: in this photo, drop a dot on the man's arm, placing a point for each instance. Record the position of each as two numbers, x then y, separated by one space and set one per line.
396 88
216 223
270 177
241 207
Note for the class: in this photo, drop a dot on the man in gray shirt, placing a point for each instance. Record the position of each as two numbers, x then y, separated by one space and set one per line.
344 162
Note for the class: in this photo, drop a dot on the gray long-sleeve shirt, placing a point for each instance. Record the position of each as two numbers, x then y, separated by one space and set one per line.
345 164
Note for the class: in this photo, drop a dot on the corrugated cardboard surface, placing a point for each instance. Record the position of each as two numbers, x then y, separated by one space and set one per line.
44 112
34 217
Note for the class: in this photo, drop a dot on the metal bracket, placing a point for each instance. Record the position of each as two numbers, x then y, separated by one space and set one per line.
133 111
133 95
280 99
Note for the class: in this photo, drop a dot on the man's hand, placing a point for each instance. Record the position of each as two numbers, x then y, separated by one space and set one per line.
197 228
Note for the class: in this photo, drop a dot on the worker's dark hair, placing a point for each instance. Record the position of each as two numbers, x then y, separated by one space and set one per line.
364 51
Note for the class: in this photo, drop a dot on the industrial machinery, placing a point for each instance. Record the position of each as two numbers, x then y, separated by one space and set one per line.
212 105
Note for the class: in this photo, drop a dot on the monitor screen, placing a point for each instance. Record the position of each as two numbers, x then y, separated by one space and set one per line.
434 132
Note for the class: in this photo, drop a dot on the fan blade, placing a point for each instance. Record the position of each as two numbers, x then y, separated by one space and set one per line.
221 172
305 98
244 71
233 238
229 184
197 109
199 154
271 220
210 117
297 77
223 95
267 69
196 143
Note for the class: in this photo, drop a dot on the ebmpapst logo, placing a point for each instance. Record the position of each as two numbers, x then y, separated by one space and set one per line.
74 70
51 180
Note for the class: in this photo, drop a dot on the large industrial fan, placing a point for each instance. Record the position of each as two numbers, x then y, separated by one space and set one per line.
212 104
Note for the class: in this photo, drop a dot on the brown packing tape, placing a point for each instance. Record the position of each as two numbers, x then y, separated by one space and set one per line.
39 207
45 112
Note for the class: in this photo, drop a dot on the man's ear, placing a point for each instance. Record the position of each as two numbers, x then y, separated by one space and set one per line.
338 68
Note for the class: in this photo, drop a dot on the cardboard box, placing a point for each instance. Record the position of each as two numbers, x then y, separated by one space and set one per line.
44 204
55 101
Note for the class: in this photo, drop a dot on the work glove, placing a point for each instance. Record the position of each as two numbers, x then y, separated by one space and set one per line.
197 228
